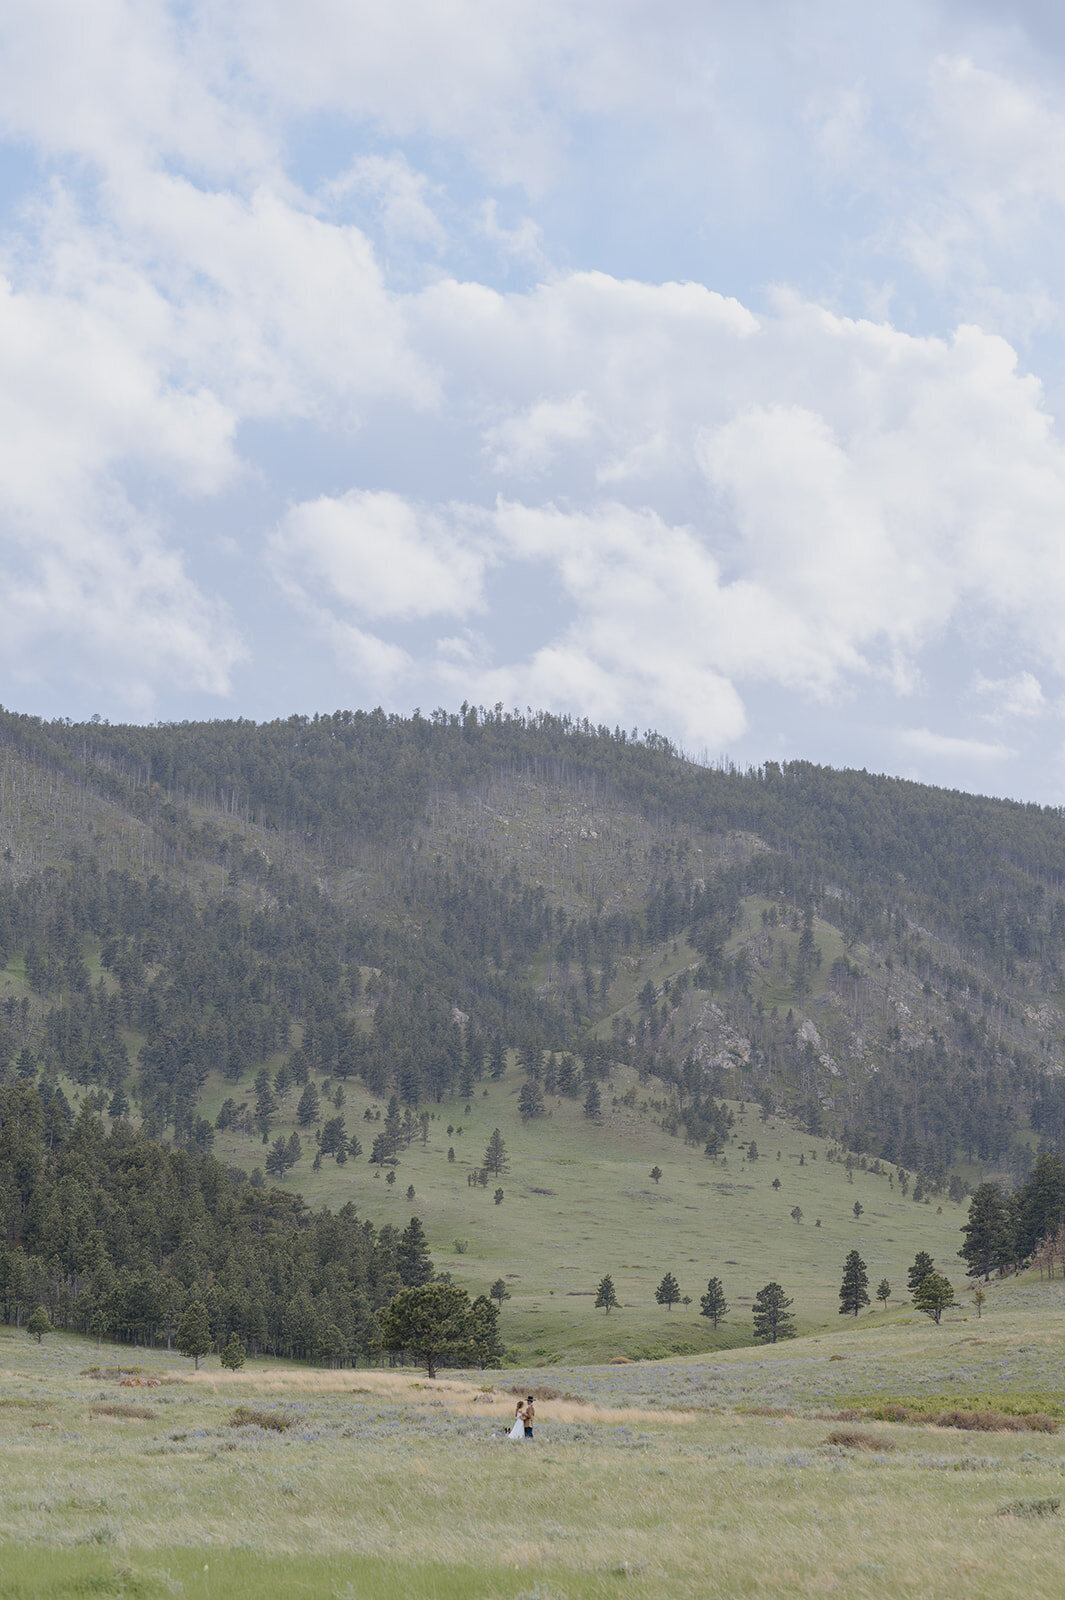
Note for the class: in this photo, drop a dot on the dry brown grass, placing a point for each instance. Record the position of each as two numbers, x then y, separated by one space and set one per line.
453 1394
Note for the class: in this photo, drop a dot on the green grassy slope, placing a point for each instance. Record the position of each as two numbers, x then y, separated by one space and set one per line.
579 1202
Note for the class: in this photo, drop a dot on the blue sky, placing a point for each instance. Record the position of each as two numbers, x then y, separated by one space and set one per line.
672 366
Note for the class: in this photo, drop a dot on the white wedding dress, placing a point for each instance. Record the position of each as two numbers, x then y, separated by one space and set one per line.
518 1430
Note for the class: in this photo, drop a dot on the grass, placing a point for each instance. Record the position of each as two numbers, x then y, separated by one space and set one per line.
729 1475
579 1202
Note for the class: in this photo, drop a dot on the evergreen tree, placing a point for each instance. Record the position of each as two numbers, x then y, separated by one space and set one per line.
488 1346
713 1303
854 1290
883 1292
233 1353
1040 1202
656 1174
530 1100
193 1337
330 1345
39 1324
922 1266
432 1322
593 1102
606 1295
933 1295
772 1317
668 1292
413 1261
495 1156
986 1234
499 1292
307 1107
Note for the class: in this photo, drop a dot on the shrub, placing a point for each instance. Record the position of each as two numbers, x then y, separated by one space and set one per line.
1029 1508
852 1439
248 1417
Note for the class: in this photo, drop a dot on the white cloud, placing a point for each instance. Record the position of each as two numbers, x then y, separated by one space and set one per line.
710 498
80 404
945 746
401 196
850 493
381 557
526 445
1020 695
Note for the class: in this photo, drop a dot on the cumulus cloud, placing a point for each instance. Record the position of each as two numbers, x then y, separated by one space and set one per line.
382 557
525 446
701 495
850 493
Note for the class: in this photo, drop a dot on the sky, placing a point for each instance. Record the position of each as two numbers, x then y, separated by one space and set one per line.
682 366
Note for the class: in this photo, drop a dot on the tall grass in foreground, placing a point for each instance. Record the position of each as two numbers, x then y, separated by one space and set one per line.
394 1486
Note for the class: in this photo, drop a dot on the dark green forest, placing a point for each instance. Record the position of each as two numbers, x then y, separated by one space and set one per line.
881 960
116 1234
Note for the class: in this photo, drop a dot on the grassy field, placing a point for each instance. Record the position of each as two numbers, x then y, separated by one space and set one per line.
746 1473
579 1202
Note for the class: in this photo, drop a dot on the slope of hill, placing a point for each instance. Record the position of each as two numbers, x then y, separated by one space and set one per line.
413 907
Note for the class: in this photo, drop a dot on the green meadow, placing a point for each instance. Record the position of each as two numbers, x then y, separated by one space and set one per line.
753 1472
578 1202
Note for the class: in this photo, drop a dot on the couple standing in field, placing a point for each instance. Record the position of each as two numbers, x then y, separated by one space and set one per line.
524 1413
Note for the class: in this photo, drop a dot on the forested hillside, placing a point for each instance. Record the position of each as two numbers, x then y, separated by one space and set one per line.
399 902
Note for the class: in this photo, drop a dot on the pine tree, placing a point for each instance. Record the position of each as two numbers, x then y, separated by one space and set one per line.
933 1295
499 1292
530 1100
39 1324
413 1262
330 1345
922 1266
656 1174
606 1295
853 1293
307 1107
772 1318
883 1292
987 1242
495 1156
713 1303
433 1322
1040 1202
193 1337
488 1346
668 1292
593 1102
233 1353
